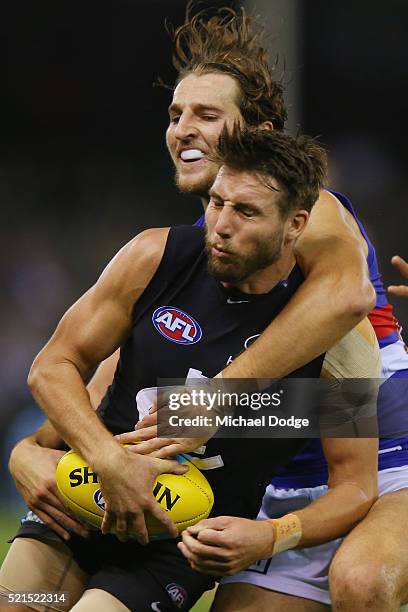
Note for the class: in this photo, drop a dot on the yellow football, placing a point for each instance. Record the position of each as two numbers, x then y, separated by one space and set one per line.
187 498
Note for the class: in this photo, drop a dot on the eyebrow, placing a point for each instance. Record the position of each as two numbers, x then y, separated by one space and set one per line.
248 206
200 107
213 194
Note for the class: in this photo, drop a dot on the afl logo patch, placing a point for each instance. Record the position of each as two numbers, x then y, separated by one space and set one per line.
98 499
176 325
177 594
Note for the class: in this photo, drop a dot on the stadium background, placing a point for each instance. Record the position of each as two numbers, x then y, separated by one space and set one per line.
83 165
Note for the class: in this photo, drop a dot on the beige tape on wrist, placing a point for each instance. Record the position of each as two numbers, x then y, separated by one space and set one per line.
288 531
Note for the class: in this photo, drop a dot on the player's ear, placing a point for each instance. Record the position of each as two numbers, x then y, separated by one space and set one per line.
297 224
267 125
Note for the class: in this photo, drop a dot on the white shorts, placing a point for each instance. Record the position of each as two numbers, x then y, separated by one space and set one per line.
304 572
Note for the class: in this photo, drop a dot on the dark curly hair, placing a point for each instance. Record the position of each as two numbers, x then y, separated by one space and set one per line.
230 42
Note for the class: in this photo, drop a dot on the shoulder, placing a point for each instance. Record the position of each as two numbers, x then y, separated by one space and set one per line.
147 247
328 209
134 265
152 242
331 219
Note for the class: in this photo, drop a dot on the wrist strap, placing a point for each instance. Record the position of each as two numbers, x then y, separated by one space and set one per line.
288 532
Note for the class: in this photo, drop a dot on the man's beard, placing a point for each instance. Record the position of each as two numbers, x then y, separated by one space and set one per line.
197 186
240 267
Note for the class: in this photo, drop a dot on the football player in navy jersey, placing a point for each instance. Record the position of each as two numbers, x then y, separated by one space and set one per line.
235 80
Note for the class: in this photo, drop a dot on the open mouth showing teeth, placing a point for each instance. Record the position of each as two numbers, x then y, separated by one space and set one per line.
192 155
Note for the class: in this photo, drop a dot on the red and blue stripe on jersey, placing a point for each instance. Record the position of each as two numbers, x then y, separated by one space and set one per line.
309 468
382 317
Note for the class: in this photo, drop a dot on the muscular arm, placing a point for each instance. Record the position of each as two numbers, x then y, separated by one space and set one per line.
352 462
46 435
352 482
335 296
88 333
33 461
226 545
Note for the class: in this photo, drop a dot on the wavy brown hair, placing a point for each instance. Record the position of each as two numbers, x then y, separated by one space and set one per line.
298 164
230 42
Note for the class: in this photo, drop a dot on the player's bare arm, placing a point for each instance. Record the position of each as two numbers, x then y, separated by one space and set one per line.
336 295
32 465
352 468
33 462
34 459
226 545
89 332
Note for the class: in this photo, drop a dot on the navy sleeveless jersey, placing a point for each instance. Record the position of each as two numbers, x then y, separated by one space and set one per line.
221 324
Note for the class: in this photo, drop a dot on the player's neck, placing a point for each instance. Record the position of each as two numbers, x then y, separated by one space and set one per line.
266 279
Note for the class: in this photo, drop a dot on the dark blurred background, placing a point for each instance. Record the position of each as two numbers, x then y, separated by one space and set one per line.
83 164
